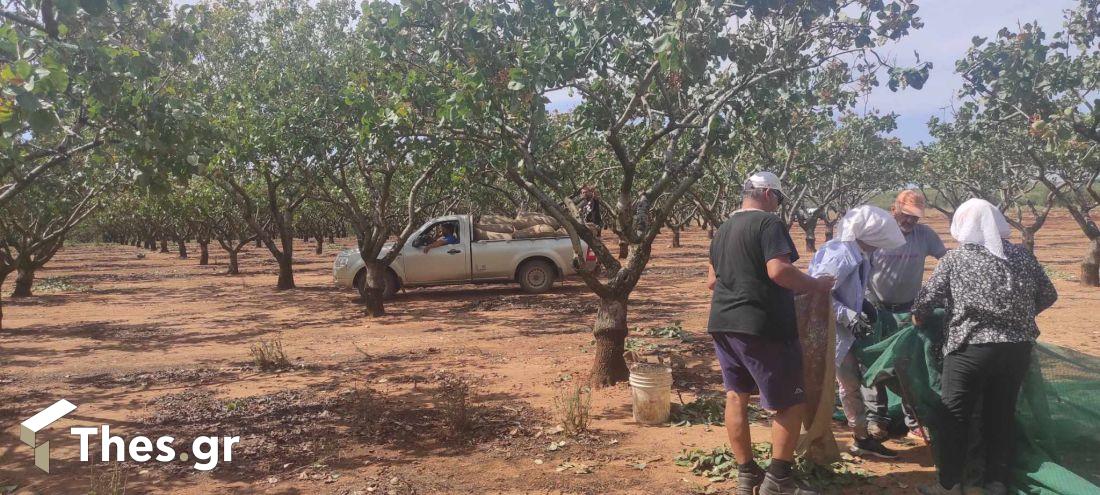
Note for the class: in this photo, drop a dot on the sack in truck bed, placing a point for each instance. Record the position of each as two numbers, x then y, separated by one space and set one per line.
538 231
481 234
494 220
503 228
527 220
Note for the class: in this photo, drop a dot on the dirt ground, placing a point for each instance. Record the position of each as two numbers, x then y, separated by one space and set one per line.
159 345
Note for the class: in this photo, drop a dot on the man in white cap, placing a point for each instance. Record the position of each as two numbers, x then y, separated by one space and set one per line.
862 231
896 276
752 322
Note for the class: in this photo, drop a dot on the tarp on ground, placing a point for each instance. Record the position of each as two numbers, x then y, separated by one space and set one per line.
1058 415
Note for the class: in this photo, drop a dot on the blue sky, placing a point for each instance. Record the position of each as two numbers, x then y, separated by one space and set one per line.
948 28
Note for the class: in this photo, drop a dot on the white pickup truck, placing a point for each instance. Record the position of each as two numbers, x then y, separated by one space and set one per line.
532 263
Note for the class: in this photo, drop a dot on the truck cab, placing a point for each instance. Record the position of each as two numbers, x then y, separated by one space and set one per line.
534 263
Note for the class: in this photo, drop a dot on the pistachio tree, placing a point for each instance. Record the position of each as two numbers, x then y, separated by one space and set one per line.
253 75
972 157
1050 88
36 222
79 76
657 81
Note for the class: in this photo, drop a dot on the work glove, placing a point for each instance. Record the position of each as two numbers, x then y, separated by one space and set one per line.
871 312
862 327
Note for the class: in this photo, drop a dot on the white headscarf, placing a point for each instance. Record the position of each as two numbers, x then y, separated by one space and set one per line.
872 225
977 221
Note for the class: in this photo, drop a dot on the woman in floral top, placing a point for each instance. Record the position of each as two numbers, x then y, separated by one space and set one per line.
992 290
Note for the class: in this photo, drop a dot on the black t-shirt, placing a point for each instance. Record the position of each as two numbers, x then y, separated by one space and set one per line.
745 300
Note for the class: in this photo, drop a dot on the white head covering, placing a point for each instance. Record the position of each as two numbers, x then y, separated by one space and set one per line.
872 225
977 221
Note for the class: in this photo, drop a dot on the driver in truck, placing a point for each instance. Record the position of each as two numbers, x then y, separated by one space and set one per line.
446 237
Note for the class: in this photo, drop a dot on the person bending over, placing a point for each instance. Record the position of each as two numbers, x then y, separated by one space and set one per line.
992 290
863 230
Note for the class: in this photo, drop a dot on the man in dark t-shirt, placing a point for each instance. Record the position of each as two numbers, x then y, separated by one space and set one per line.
752 322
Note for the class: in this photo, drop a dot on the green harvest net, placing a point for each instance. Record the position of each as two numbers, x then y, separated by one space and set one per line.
1058 416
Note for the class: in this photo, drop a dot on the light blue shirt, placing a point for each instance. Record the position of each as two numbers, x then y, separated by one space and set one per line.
852 269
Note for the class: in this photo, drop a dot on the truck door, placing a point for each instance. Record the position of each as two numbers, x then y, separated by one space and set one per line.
449 263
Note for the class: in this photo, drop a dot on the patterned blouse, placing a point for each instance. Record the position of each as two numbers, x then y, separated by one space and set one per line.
988 300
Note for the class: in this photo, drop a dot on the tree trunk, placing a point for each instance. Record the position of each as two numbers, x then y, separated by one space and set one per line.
675 237
234 268
829 231
710 233
286 262
624 250
3 275
24 282
1090 268
181 246
1028 236
330 239
610 331
204 253
164 246
320 245
286 272
258 242
374 288
809 228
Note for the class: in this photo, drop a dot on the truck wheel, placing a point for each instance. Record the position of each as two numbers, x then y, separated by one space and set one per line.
391 284
536 276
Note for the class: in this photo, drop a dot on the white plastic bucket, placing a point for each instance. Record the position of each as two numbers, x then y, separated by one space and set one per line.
651 387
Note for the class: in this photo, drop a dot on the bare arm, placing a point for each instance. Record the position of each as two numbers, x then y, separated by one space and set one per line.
782 272
437 243
711 277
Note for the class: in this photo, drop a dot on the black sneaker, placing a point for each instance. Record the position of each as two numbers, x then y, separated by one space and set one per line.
784 486
878 431
749 481
870 446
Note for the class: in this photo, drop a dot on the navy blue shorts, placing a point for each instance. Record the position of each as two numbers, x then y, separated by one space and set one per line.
751 364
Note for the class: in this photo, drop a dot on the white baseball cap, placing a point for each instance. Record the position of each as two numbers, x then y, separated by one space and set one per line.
764 180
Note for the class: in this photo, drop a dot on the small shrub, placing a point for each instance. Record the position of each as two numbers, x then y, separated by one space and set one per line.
453 399
573 406
366 411
110 482
268 355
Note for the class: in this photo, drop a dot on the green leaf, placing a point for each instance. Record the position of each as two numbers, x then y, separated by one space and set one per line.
22 69
42 121
94 7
